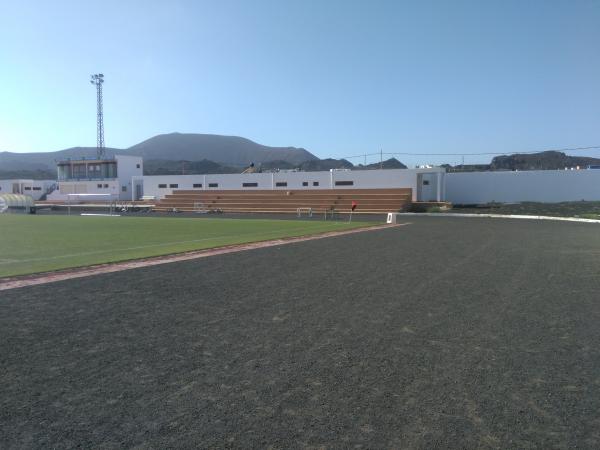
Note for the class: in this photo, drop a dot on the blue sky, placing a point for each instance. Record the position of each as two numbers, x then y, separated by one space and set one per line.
339 78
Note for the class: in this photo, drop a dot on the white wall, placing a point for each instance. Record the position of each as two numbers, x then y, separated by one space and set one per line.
127 168
534 186
363 179
35 188
6 186
87 187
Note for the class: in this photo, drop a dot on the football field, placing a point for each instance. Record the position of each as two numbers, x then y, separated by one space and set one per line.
31 244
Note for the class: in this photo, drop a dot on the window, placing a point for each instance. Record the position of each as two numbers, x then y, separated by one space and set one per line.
305 183
79 171
344 183
106 186
249 184
425 182
162 186
27 188
173 185
137 166
37 188
124 188
197 185
213 184
315 183
281 184
99 186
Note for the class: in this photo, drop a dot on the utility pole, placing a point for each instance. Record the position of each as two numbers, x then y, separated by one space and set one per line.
381 158
97 80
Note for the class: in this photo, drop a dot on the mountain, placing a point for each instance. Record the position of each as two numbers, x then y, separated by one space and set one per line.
28 174
391 163
225 150
168 167
230 150
550 160
311 165
45 160
178 153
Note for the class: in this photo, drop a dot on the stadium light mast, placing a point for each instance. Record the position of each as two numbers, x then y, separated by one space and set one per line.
98 79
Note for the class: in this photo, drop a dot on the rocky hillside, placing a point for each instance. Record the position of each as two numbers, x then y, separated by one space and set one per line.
541 161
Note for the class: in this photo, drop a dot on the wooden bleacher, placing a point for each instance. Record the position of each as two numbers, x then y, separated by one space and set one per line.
370 201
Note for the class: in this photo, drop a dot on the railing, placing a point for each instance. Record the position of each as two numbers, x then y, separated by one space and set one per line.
86 179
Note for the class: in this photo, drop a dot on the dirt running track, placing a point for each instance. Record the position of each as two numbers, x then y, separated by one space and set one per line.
447 333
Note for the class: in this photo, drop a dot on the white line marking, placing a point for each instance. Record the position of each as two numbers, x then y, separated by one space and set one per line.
504 216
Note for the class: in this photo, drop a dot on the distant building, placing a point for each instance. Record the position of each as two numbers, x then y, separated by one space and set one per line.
425 184
34 188
119 176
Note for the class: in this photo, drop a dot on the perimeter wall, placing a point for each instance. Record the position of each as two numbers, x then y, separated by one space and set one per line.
526 186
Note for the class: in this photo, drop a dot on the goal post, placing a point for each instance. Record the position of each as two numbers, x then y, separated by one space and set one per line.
96 204
200 208
308 211
332 213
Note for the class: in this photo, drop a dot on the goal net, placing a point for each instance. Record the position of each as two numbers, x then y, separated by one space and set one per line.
92 204
307 211
200 208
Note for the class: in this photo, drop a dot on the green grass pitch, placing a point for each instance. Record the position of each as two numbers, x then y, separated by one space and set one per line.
31 244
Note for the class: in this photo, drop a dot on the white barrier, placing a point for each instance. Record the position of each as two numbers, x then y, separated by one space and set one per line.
392 217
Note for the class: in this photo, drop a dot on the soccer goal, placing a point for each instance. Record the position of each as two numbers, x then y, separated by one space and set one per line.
92 204
307 211
200 208
331 214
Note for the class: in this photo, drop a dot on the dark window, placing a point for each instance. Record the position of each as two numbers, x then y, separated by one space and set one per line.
425 182
162 186
315 183
99 186
213 184
37 188
137 166
27 188
249 184
305 183
174 185
124 188
106 185
281 184
197 185
344 183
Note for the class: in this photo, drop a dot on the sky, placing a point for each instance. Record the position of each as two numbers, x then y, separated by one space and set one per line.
339 78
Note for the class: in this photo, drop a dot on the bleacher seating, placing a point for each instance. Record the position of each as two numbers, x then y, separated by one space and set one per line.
370 201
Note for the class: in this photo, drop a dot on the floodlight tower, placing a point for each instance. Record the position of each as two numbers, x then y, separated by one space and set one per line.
98 79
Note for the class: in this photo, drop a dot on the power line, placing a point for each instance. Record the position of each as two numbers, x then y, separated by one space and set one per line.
593 147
